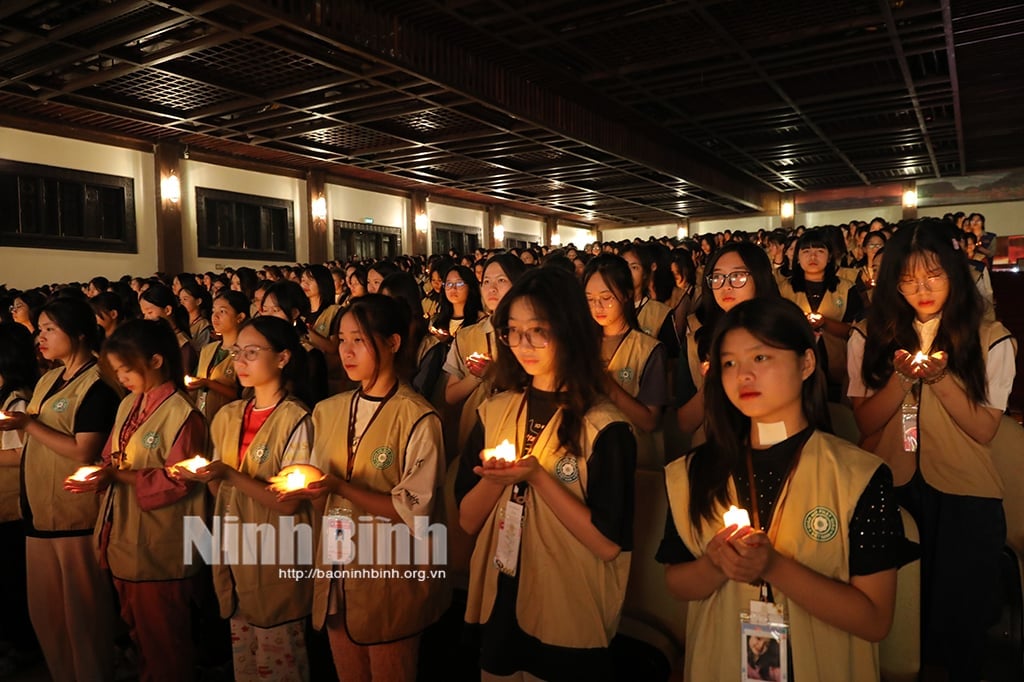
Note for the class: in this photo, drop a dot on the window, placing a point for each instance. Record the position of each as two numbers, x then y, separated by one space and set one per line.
447 236
364 240
59 208
244 226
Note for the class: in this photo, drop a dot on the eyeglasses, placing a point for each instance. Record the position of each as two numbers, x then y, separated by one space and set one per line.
737 280
249 353
16 307
601 302
537 337
876 245
454 285
909 287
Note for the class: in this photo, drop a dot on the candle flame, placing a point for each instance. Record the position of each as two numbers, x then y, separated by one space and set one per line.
295 477
920 357
736 517
83 473
193 464
505 452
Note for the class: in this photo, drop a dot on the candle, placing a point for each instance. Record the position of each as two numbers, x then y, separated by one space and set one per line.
477 357
295 477
83 473
190 380
920 357
505 452
813 318
3 415
193 464
737 517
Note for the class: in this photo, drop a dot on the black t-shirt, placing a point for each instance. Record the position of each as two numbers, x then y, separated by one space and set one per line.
96 414
877 542
505 648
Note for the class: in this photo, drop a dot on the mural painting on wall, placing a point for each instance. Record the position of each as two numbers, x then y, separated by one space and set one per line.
846 198
972 189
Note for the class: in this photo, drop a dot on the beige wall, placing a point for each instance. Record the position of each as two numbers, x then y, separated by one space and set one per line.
349 203
26 268
643 231
534 229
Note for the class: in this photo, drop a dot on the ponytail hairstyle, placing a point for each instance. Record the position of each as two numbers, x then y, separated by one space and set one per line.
106 303
614 271
557 298
161 296
198 292
291 299
237 301
281 336
928 242
136 342
378 318
75 318
18 366
777 323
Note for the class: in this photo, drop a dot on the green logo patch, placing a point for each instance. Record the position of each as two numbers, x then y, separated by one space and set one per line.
151 440
821 524
382 457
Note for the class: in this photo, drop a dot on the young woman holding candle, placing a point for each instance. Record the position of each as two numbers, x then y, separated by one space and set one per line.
18 375
253 440
472 351
932 421
159 303
635 362
140 531
215 384
826 538
197 303
382 447
65 426
828 300
737 272
553 608
286 300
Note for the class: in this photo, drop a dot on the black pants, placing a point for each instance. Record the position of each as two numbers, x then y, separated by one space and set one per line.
962 539
15 626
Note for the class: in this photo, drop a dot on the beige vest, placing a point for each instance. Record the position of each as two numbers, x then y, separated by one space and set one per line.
257 593
478 338
148 545
950 460
627 367
197 328
377 610
833 306
53 508
813 528
325 319
336 377
209 402
567 596
10 477
651 317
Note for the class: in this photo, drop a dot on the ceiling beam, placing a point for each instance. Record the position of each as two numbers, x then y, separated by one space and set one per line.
954 79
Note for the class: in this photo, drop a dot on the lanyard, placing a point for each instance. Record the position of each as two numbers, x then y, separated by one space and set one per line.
780 501
353 411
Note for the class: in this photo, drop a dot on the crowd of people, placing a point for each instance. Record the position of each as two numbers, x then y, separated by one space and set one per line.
715 357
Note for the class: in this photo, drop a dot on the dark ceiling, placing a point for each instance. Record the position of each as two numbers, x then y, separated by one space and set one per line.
611 111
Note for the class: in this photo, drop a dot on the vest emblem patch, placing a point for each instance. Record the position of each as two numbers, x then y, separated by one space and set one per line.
838 300
151 440
61 405
821 524
626 375
260 453
382 457
567 470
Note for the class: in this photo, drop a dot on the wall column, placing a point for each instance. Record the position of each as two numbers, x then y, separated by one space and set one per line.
318 226
169 234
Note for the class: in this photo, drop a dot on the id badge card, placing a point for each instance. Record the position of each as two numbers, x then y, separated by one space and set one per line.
908 427
510 534
764 643
338 532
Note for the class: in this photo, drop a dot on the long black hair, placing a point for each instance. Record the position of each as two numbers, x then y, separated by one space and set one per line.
198 292
614 271
403 287
136 341
282 337
777 323
75 318
161 296
557 298
474 304
891 318
757 263
18 366
324 286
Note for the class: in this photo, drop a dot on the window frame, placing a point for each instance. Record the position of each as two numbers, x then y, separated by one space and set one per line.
204 229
